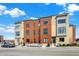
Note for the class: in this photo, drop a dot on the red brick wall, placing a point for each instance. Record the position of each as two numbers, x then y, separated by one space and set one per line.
42 26
74 38
32 28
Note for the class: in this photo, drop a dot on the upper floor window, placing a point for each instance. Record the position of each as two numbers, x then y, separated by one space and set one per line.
34 32
27 32
45 22
17 33
45 30
45 40
17 26
18 40
27 25
39 32
61 21
34 25
61 30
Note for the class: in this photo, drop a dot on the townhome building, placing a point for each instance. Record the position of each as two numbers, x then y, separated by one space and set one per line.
54 30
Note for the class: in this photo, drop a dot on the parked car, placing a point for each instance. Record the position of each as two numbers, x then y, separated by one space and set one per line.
4 46
8 46
11 46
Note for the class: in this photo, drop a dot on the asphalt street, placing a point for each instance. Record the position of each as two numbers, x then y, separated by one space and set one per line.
32 51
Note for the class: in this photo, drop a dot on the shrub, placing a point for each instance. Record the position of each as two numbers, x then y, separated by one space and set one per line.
59 44
63 45
68 44
48 45
77 44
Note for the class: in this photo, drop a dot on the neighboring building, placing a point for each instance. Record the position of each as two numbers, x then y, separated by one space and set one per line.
8 41
1 38
19 31
72 34
46 30
77 41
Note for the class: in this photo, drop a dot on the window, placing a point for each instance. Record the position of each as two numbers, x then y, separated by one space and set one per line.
61 39
45 31
27 32
61 21
61 30
17 26
27 25
18 40
45 22
34 32
39 24
45 40
34 25
39 32
18 33
34 40
27 40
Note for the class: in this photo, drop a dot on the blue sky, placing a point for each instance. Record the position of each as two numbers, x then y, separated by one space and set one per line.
13 12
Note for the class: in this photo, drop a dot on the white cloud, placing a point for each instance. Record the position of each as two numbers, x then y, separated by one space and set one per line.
61 4
2 29
73 7
10 31
47 3
2 25
2 9
7 29
33 18
15 12
10 28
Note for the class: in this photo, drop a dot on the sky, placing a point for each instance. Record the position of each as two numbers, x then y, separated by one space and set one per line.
13 12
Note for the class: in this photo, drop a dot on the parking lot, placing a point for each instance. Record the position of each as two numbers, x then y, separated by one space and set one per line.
32 51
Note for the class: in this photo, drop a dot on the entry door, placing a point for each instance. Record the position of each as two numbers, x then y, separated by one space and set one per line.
54 40
27 41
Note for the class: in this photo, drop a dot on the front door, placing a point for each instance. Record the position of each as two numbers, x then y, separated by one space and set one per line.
54 40
27 41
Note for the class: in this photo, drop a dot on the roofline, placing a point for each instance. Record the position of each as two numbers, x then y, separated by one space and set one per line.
17 22
73 26
57 15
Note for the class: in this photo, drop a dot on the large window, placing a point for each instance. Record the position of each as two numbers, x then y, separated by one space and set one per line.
45 40
61 30
27 25
61 39
18 33
45 22
61 21
27 32
45 30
